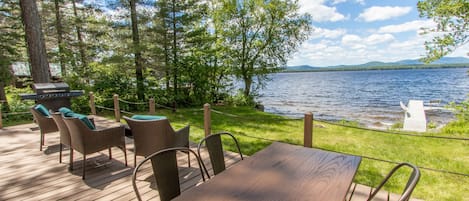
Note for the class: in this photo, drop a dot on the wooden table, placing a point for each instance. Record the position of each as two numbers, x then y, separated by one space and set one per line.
282 172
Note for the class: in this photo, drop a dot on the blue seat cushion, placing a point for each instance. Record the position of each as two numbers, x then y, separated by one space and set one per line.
147 117
83 118
65 110
42 109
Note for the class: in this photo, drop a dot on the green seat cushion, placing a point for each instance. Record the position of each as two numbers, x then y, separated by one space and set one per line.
42 109
83 118
147 117
65 110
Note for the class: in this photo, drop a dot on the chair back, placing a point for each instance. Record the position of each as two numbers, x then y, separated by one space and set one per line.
151 136
63 129
165 170
215 149
78 133
411 182
46 124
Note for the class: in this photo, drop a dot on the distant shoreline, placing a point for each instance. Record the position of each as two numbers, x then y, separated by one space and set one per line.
390 67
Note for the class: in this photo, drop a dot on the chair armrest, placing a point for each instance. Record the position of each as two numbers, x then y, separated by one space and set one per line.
182 137
110 130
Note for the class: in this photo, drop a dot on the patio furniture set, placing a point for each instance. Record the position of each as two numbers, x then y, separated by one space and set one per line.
279 172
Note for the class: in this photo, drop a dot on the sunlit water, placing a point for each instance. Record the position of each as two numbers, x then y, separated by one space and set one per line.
369 97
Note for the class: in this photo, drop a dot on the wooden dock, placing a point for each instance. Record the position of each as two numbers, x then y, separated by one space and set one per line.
30 174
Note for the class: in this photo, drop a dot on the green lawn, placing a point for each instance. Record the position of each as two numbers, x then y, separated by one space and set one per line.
252 127
255 130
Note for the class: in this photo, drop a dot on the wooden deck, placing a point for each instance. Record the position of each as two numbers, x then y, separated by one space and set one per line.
30 174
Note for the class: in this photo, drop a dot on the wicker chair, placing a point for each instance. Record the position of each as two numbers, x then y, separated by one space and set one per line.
46 125
87 141
165 170
151 136
215 149
64 135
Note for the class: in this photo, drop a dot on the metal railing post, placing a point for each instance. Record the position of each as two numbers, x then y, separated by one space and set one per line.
117 111
207 123
308 130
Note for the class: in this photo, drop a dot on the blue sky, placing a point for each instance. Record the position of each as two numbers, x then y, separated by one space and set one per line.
359 31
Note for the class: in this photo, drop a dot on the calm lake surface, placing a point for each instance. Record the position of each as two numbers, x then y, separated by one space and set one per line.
369 97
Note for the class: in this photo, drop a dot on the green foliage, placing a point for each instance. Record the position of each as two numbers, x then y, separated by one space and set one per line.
349 123
18 110
397 126
260 36
452 27
239 99
460 127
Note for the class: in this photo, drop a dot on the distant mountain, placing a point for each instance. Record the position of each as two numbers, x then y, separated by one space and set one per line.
301 68
407 62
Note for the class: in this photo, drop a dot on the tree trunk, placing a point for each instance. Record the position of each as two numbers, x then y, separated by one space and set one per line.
35 42
137 52
3 98
58 24
175 60
81 44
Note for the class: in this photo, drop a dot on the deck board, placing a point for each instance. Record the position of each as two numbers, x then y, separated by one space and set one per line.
30 174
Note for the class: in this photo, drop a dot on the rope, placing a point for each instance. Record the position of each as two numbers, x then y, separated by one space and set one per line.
355 127
163 106
230 115
367 157
16 113
125 112
135 103
394 162
395 133
106 108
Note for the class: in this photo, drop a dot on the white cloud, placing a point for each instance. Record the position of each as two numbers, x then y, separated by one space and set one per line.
350 39
335 2
378 13
415 25
319 32
320 12
379 38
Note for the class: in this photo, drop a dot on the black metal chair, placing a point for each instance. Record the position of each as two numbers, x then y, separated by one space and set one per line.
165 170
409 188
215 150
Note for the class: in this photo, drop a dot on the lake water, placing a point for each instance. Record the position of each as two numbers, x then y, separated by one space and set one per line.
369 97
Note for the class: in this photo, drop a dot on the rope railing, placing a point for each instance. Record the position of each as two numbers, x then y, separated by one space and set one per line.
355 127
133 103
308 139
363 156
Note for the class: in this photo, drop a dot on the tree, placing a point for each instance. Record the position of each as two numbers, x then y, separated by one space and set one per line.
452 19
35 41
261 35
11 48
137 51
182 27
60 43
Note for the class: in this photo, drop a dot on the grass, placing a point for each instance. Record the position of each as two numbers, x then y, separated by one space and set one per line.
256 130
